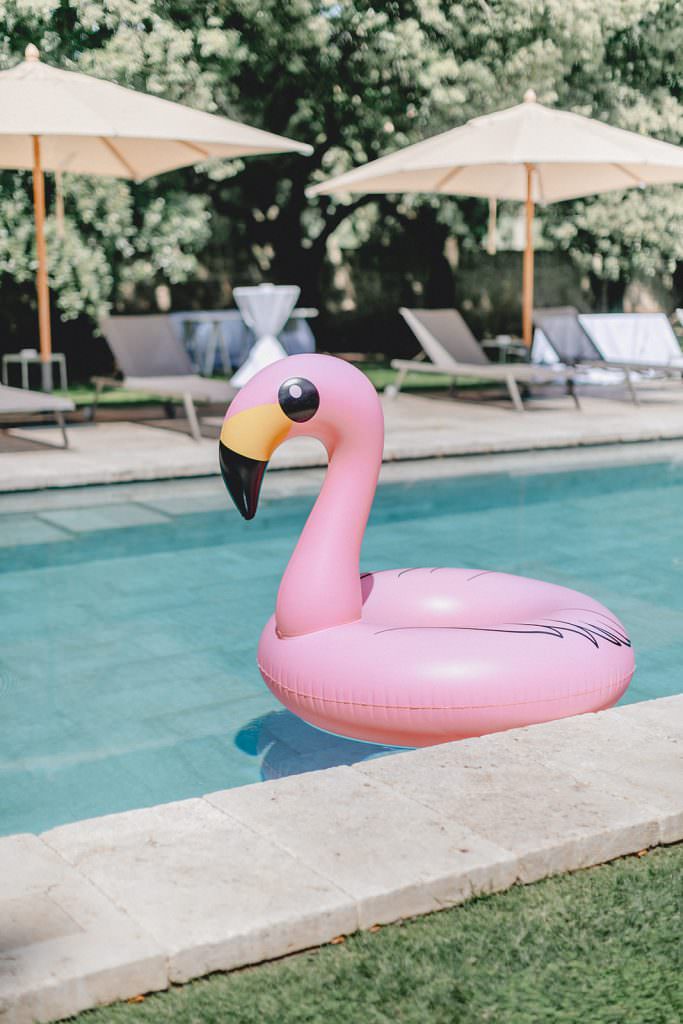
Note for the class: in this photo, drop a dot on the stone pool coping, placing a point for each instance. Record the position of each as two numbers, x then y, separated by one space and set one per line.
105 909
417 427
184 495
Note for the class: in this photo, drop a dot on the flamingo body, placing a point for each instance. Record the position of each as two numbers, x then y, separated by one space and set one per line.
408 657
441 654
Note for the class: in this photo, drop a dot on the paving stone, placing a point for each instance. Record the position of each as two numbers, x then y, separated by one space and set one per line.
107 517
214 894
550 820
663 716
392 855
63 946
182 505
619 756
417 427
23 529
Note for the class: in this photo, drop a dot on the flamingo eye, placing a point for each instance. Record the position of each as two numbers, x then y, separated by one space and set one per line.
299 399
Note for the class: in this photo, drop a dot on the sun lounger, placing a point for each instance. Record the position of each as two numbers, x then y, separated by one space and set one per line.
452 350
628 343
151 358
22 402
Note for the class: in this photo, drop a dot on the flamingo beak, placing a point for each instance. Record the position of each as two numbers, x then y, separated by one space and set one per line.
248 439
243 477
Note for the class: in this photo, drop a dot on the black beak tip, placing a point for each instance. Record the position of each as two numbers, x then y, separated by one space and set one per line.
242 477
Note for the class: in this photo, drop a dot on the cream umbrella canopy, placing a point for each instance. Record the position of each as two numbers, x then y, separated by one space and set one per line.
530 153
55 120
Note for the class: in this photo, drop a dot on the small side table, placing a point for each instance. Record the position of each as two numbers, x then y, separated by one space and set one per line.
31 358
507 345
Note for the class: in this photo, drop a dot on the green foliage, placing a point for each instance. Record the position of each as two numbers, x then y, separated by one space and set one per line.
117 241
623 235
356 79
600 946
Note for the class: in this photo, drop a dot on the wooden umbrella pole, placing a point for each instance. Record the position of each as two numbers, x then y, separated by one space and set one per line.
41 278
528 271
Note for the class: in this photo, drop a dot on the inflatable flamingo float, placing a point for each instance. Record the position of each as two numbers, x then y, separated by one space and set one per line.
408 657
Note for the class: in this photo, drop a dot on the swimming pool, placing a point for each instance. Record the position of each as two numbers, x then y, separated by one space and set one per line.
128 627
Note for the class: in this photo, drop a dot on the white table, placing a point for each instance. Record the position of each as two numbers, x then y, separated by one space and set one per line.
266 309
507 345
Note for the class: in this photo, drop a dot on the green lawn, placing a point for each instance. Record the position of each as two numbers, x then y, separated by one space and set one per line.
601 946
81 394
380 374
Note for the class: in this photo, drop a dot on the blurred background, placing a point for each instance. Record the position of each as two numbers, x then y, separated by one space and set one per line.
355 80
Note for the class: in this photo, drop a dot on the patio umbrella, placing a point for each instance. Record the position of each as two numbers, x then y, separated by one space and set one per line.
530 153
54 120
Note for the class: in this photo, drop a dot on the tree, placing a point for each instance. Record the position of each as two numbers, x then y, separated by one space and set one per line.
355 79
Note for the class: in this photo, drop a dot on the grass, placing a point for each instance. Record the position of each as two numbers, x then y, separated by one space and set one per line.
601 946
380 374
82 394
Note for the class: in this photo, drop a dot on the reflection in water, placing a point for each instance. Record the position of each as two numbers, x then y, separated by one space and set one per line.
289 746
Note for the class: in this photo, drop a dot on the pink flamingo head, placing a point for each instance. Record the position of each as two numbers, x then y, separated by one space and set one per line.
307 395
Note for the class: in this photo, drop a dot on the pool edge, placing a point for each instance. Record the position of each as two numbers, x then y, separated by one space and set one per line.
132 902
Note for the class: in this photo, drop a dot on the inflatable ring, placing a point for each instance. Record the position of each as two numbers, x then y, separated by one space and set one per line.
408 657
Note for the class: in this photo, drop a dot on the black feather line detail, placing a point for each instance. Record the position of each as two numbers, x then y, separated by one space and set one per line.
588 631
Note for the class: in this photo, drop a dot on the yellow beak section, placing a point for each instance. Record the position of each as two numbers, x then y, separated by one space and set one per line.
256 433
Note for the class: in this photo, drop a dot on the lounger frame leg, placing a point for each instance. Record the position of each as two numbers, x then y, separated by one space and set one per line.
61 423
631 387
99 386
571 390
398 383
515 396
191 414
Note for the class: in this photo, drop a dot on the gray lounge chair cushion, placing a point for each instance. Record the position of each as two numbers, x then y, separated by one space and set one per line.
146 346
562 328
450 331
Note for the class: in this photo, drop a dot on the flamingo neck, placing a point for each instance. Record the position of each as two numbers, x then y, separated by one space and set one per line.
321 584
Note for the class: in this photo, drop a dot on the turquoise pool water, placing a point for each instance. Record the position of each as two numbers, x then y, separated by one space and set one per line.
128 629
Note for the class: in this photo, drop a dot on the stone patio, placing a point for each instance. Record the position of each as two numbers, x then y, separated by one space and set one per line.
417 427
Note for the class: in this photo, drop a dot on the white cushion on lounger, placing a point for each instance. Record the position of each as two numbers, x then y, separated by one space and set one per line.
633 337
